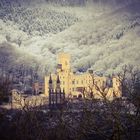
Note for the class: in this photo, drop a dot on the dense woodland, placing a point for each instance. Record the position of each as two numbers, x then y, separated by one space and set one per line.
94 41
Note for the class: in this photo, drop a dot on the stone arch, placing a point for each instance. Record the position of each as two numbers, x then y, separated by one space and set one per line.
80 96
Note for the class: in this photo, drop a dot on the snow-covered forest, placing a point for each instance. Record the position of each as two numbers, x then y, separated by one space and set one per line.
101 35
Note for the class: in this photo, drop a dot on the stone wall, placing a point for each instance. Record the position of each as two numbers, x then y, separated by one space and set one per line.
20 101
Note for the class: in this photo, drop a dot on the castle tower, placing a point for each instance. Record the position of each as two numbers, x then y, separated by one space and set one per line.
58 88
63 62
64 70
58 91
50 90
50 83
56 97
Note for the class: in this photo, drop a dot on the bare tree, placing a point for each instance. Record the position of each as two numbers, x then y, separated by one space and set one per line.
89 118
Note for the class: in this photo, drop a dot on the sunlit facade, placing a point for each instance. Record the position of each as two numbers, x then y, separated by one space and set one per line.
82 85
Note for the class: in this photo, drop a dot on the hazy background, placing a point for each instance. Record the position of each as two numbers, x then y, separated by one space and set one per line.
102 35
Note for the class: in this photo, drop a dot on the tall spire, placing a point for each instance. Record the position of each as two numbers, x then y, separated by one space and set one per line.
58 88
50 80
58 80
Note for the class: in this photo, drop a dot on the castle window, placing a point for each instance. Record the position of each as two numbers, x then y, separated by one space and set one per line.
109 82
77 82
102 84
73 82
82 82
73 89
74 96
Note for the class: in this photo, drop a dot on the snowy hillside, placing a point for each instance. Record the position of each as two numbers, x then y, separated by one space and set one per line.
98 37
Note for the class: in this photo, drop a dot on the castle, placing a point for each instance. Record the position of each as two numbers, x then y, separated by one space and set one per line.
80 85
